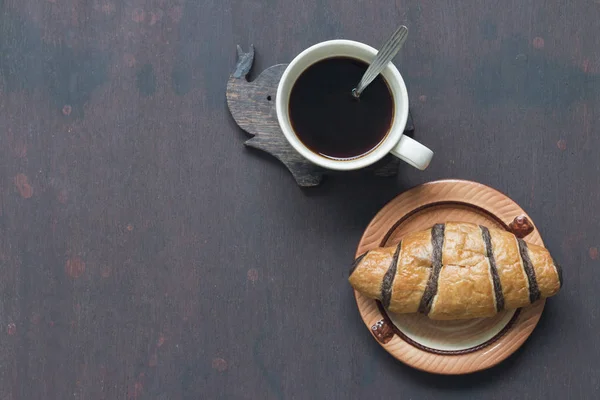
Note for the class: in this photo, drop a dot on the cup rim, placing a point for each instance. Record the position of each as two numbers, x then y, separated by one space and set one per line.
394 81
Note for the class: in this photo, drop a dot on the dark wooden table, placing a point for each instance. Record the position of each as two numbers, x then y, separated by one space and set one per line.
146 254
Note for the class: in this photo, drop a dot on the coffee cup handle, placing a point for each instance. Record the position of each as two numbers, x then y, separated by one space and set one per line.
413 152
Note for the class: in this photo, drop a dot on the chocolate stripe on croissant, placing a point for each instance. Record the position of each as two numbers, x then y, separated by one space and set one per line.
437 242
534 290
487 239
388 278
357 261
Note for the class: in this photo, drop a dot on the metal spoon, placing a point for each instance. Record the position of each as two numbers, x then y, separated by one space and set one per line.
384 56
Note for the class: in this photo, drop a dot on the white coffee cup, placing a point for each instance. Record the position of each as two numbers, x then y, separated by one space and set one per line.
395 142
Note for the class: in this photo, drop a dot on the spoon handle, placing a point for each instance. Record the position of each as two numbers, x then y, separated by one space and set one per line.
384 56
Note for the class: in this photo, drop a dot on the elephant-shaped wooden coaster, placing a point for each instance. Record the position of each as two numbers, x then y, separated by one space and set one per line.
252 105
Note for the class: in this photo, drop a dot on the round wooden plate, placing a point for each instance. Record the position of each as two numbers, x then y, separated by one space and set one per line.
448 347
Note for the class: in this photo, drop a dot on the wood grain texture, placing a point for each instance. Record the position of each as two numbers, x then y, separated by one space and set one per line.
199 270
252 105
418 209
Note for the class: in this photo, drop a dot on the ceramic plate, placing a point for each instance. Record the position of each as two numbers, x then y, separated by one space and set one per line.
448 347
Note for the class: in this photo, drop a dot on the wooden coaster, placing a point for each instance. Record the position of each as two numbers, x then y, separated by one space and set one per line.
252 105
448 347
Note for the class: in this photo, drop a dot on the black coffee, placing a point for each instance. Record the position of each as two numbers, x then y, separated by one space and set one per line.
329 120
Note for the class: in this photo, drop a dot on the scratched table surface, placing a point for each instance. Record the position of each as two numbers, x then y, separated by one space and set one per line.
145 253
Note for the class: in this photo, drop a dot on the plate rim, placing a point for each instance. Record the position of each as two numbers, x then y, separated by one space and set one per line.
441 192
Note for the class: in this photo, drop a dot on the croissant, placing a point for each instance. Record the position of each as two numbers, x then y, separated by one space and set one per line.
457 271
